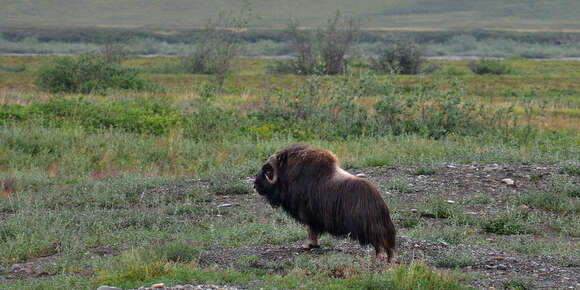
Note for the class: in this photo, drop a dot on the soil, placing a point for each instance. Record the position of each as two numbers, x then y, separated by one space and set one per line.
459 183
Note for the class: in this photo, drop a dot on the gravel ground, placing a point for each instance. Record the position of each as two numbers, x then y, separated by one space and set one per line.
459 183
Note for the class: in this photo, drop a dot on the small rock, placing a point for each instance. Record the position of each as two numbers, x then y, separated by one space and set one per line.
444 243
413 210
508 181
450 201
178 287
361 175
501 267
416 245
1 269
491 167
491 267
108 288
158 285
188 287
224 205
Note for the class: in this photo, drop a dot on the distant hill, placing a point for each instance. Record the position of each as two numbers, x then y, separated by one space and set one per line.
378 14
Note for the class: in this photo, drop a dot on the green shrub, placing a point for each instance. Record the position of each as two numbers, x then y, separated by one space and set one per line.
86 74
421 276
512 224
571 169
410 219
142 115
489 66
456 259
230 179
424 170
566 186
13 69
519 283
439 208
400 57
399 185
547 201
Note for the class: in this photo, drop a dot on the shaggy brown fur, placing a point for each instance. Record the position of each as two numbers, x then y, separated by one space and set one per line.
310 186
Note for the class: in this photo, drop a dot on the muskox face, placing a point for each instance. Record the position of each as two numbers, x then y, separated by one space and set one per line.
268 177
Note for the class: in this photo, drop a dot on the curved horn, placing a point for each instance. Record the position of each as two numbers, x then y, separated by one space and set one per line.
273 163
273 180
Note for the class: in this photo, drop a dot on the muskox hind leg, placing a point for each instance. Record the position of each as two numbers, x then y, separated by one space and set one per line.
311 240
389 256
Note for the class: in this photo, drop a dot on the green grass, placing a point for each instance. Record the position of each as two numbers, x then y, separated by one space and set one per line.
115 170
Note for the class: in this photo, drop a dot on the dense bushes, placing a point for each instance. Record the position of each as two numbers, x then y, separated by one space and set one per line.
322 51
489 66
86 74
317 110
147 116
399 57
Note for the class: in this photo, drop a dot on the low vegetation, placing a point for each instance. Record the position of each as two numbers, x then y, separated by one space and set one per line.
130 187
86 74
489 66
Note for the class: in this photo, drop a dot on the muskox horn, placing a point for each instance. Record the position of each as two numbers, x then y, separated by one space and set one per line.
271 181
273 160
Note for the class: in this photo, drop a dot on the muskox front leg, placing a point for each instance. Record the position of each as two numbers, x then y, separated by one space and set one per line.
311 240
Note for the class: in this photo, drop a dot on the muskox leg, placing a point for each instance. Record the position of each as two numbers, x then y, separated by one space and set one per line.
389 256
311 240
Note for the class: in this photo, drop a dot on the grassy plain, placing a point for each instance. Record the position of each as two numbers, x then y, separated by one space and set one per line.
83 173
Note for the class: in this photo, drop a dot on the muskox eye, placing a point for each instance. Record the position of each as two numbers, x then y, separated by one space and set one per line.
268 171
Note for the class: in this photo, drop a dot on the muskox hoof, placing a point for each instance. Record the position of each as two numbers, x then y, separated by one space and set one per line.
309 246
382 257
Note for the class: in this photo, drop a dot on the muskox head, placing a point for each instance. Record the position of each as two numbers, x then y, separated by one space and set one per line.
274 173
294 167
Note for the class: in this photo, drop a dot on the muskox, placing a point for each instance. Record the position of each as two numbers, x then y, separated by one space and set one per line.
310 186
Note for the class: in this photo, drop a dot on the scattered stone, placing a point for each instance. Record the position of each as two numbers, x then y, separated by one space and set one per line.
491 167
444 243
508 181
108 288
224 205
413 210
501 267
449 201
158 285
491 267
